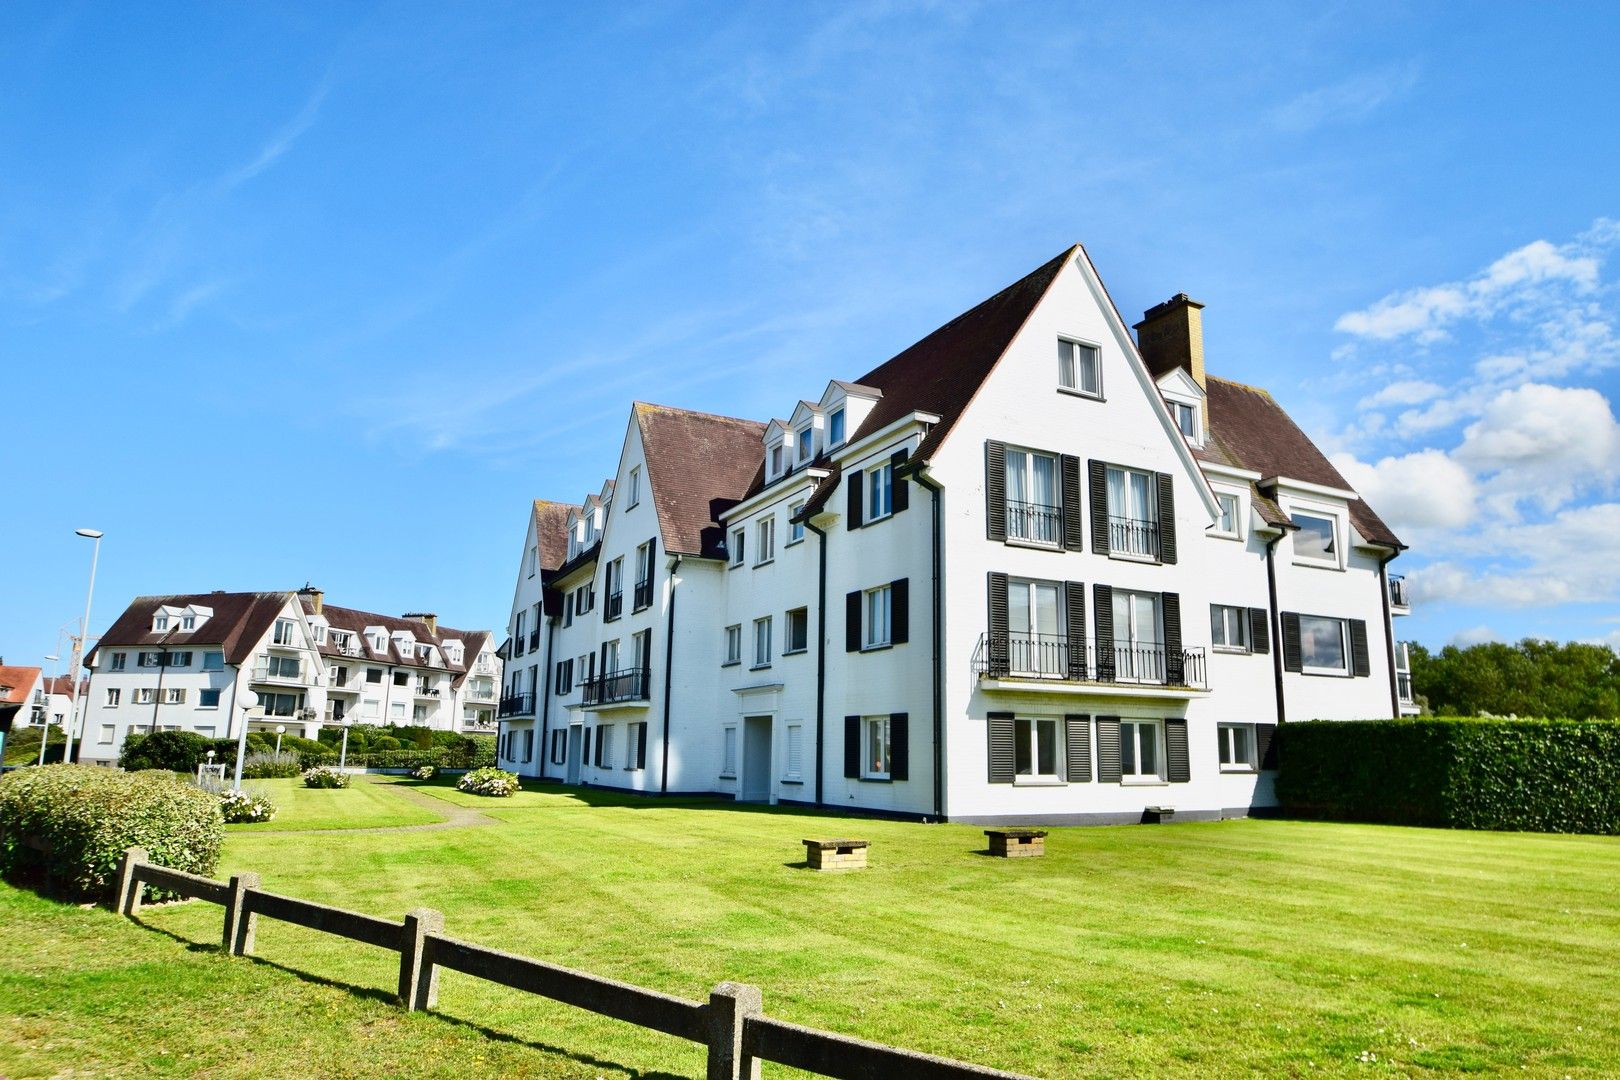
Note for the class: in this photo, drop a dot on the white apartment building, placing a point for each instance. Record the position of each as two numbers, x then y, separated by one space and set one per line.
1028 570
179 663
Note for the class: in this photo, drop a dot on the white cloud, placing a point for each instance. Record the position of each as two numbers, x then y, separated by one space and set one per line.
282 140
1474 635
1352 99
1404 392
1425 490
1572 557
1546 443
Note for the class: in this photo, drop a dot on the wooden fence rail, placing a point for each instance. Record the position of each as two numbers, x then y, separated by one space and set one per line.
731 1024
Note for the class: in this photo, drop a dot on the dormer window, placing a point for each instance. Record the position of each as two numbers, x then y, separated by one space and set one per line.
835 428
188 622
160 622
774 460
807 444
1186 417
320 633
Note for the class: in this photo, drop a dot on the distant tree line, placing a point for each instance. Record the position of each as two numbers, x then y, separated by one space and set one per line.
1533 678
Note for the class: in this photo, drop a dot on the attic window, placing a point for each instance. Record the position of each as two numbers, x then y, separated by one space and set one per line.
774 460
1187 420
160 622
1079 368
188 622
835 428
634 493
807 443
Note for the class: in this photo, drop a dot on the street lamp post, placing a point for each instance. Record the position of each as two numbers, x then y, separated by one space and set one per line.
45 714
281 729
246 702
343 754
84 639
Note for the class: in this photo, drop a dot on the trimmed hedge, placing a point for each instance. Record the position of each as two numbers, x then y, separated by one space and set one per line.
72 823
1455 772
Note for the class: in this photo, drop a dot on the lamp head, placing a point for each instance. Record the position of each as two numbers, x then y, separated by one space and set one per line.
89 534
52 657
281 729
248 700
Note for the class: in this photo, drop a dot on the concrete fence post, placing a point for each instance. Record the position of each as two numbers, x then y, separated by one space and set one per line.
418 976
127 900
730 1005
240 923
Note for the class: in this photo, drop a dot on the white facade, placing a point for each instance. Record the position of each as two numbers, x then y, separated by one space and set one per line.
1126 608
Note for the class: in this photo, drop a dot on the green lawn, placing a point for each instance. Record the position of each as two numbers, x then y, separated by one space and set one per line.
1184 950
364 804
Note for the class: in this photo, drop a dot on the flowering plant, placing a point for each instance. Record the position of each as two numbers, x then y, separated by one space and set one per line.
245 806
425 772
489 781
325 776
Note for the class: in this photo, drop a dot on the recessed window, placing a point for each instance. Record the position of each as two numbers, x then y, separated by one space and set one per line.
807 444
879 609
795 527
633 497
174 695
117 661
188 622
1133 513
160 622
1322 645
1229 627
739 539
283 633
879 492
728 752
1079 368
1237 747
793 763
1036 748
1186 417
374 675
146 695
1227 523
875 749
835 428
762 642
396 710
1139 749
1034 509
1316 539
798 631
113 697
764 540
734 643
108 733
402 678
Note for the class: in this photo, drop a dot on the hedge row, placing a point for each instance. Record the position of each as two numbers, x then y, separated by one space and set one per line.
71 824
183 751
1465 773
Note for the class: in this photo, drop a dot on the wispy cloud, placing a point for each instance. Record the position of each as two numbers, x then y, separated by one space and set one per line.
283 140
1349 100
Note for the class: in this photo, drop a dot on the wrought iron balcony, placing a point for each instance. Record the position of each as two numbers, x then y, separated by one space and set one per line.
643 598
516 705
1055 658
1133 536
1403 687
613 605
423 690
1035 523
615 687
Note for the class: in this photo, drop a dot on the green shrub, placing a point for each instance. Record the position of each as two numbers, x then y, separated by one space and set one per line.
269 765
84 817
324 776
1531 775
175 751
493 782
424 772
238 806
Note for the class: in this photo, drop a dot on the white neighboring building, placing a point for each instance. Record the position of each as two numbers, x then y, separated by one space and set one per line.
177 663
1028 570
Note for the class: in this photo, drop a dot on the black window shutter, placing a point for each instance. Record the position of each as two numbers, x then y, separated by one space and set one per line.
899 747
997 645
1102 613
852 621
1077 742
1098 476
1074 628
1167 519
1074 538
1259 630
899 485
852 480
641 745
586 756
1001 747
1177 767
1265 745
852 747
900 611
568 610
1290 642
995 490
1360 659
1175 660
1108 769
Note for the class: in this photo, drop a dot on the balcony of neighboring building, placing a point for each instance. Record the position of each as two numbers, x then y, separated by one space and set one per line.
516 705
1400 599
480 693
273 670
429 690
1403 680
1056 664
616 689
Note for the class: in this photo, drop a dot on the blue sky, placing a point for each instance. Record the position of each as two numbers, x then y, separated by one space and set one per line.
329 293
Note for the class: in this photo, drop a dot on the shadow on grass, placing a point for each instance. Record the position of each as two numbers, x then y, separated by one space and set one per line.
386 997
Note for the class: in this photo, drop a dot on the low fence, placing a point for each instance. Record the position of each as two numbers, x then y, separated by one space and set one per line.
732 1024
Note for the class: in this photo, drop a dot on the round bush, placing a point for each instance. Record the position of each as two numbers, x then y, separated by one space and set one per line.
325 776
84 817
270 765
493 782
176 751
425 772
239 806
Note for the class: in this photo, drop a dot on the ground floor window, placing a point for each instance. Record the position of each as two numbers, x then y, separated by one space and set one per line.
728 756
284 705
876 759
635 746
528 745
1139 749
793 765
559 747
1237 747
1036 753
108 733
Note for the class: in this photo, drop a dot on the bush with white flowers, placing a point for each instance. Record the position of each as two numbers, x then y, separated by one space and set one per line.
325 776
425 772
489 781
245 806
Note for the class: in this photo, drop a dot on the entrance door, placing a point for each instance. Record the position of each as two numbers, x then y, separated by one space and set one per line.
756 777
576 745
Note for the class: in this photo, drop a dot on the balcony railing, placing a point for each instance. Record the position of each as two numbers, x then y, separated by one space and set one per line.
1034 523
1399 594
480 693
1403 687
643 598
613 606
427 691
1133 536
618 686
1057 659
263 673
483 667
516 705
517 644
534 640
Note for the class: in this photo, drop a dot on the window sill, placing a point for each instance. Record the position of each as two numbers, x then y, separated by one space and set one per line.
632 768
794 543
794 781
1076 392
1240 770
728 776
1224 535
1326 673
1234 650
885 516
877 780
877 648
736 566
1316 564
1049 781
794 652
1033 545
1126 556
764 562
1129 782
760 667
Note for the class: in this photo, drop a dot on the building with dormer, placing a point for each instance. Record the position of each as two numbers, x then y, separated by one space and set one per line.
1031 569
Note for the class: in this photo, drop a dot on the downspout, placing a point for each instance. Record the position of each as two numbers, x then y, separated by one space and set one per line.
669 673
545 704
1389 635
1276 623
821 653
937 522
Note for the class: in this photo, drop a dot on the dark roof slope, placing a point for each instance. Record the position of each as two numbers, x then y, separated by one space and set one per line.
356 621
551 531
699 466
238 622
1250 430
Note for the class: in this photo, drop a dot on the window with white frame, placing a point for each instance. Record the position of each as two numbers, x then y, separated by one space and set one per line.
396 710
320 633
282 667
160 622
114 696
798 631
762 642
1079 367
1186 417
604 746
807 444
1229 627
633 497
1037 748
734 643
835 428
1034 507
149 659
1237 747
1035 643
1316 538
146 695
765 540
728 751
1138 652
208 698
283 634
180 659
533 559
108 733
793 756
875 749
739 542
635 743
1133 513
1227 523
370 707
879 492
1323 645
374 675
878 603
1139 749
795 526
188 622
776 460
174 695
116 662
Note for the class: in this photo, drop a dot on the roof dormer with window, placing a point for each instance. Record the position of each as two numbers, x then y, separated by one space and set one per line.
1185 400
846 406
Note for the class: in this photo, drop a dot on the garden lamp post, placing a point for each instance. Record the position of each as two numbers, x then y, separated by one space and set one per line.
281 729
343 754
247 703
84 639
45 713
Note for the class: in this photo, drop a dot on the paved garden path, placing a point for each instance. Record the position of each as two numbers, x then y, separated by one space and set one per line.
457 817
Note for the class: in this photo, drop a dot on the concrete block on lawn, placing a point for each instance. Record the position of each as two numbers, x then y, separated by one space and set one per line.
1017 843
836 854
418 975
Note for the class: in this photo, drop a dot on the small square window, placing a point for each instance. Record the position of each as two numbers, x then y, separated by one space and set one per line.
1316 539
1322 645
734 643
798 631
1079 368
1229 627
1237 747
1227 523
208 698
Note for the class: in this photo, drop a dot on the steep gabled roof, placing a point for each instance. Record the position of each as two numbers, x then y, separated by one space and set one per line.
238 622
698 465
355 622
551 531
1248 429
16 683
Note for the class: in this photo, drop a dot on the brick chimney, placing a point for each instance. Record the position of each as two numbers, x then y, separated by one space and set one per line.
427 617
316 596
1171 335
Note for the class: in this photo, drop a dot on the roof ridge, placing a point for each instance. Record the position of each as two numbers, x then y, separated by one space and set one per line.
638 406
1240 385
